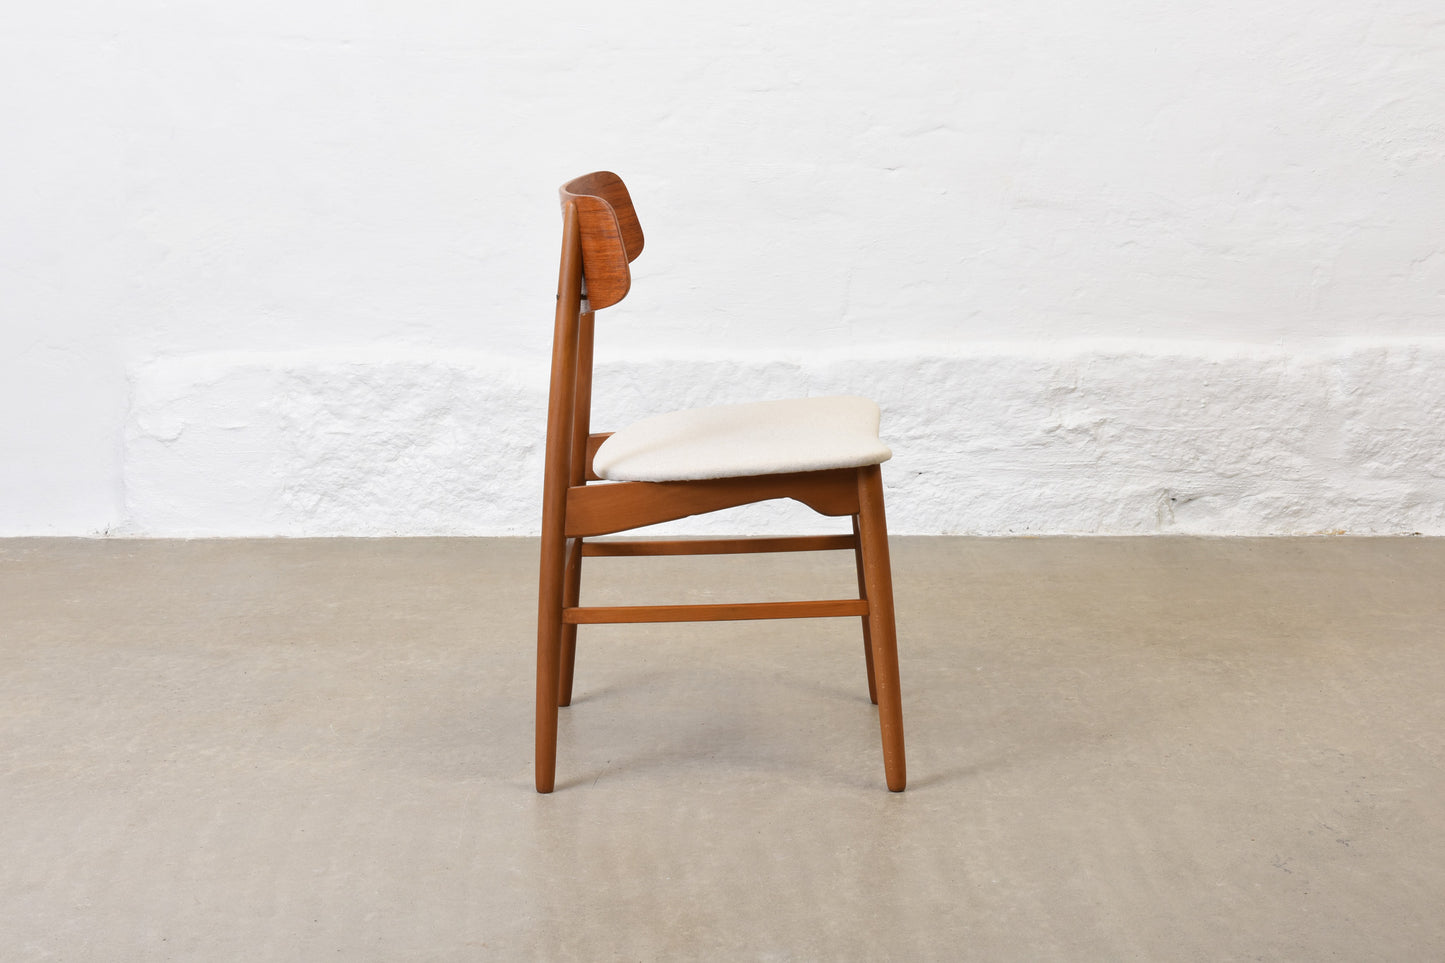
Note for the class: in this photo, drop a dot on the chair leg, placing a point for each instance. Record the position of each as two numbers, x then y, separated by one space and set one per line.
571 595
549 639
863 594
873 544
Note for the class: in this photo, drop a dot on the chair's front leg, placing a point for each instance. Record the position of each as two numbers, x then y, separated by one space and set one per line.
873 543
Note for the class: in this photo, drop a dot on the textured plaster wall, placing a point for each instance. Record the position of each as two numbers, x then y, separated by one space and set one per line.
287 267
1090 437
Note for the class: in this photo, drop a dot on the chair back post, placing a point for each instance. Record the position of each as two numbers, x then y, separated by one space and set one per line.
582 402
561 409
563 396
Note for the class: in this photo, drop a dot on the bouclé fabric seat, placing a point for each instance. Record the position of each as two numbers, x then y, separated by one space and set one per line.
757 438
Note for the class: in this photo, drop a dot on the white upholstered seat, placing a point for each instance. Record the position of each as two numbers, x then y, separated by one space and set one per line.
760 438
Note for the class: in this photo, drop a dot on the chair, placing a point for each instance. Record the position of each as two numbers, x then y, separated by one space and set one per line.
823 452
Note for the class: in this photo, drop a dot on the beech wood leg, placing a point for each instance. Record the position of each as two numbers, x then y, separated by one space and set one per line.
571 594
873 543
863 594
549 639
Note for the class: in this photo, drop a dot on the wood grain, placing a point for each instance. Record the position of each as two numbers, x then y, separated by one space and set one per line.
717 546
609 187
722 612
619 506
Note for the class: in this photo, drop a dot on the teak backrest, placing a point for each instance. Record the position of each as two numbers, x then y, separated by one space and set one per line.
610 234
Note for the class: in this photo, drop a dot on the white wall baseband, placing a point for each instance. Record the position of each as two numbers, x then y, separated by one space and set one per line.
1084 437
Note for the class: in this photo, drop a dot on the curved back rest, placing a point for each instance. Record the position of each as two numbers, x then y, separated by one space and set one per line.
600 236
610 234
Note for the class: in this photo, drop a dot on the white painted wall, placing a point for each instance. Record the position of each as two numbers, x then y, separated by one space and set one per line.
287 267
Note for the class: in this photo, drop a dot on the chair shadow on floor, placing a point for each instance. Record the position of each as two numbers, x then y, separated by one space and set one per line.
739 730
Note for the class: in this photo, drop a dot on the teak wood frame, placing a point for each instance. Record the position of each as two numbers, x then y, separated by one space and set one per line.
600 236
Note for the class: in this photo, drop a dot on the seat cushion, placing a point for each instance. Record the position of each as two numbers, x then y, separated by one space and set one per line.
761 438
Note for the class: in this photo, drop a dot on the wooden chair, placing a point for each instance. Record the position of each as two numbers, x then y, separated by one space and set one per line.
823 452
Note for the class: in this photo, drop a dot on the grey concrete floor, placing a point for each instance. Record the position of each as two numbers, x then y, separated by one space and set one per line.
1119 749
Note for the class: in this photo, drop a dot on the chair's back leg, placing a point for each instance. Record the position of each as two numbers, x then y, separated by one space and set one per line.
873 544
560 412
549 637
581 427
863 594
571 595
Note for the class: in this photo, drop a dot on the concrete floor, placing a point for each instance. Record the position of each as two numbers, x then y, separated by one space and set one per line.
1119 749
